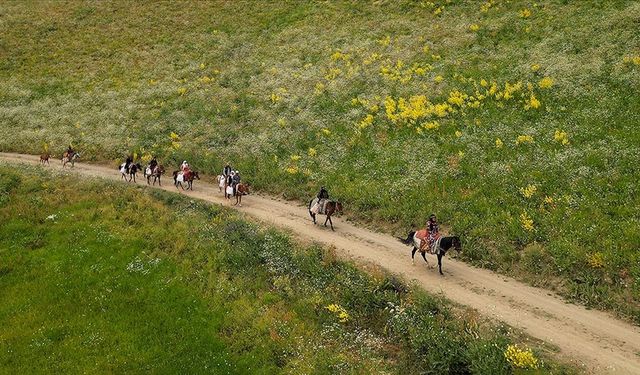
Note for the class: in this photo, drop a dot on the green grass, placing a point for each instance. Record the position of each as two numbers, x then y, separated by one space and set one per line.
99 277
261 83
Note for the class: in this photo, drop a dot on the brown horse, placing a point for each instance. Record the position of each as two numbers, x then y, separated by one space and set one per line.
66 158
241 189
330 208
156 173
44 158
187 177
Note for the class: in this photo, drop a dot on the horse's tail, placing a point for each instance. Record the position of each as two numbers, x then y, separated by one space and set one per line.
409 238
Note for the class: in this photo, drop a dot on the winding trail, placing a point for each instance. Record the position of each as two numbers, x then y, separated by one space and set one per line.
595 341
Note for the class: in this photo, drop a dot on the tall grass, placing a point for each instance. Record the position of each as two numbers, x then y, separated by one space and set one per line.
301 94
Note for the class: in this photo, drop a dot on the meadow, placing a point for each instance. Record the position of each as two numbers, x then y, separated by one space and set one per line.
100 277
514 121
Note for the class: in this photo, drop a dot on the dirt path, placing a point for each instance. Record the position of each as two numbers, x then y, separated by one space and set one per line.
595 341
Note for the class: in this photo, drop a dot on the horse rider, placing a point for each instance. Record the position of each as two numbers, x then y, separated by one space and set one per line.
323 197
235 180
228 180
127 163
70 152
433 231
153 164
226 171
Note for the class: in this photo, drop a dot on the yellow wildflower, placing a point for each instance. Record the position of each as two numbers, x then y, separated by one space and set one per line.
458 133
545 83
548 199
366 121
474 27
292 170
524 139
438 79
312 152
182 90
174 136
525 13
201 65
295 157
535 67
319 87
521 358
432 125
282 122
326 131
526 222
532 102
340 312
528 191
275 98
460 154
595 260
483 82
561 137
499 143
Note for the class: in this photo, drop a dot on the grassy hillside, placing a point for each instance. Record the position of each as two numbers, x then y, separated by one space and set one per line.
98 277
514 121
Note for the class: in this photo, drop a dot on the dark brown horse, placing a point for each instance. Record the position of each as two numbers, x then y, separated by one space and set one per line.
156 173
241 189
330 208
44 158
188 177
440 247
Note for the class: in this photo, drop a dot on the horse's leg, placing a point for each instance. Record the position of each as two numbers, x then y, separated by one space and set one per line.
440 264
330 222
240 200
413 253
424 256
313 216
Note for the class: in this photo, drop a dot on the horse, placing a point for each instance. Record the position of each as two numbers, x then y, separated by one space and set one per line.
330 208
187 177
44 158
156 173
131 171
72 159
241 189
440 247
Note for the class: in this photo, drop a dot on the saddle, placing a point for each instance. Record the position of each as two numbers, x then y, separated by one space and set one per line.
425 244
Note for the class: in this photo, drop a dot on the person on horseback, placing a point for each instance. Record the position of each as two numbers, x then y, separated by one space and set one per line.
226 171
153 164
184 167
235 181
229 183
323 197
70 152
433 231
127 163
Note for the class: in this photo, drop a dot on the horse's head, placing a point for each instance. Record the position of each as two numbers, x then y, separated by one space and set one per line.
243 188
160 169
338 207
76 155
196 175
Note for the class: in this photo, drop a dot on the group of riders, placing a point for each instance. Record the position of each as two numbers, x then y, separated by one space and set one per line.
428 236
231 179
